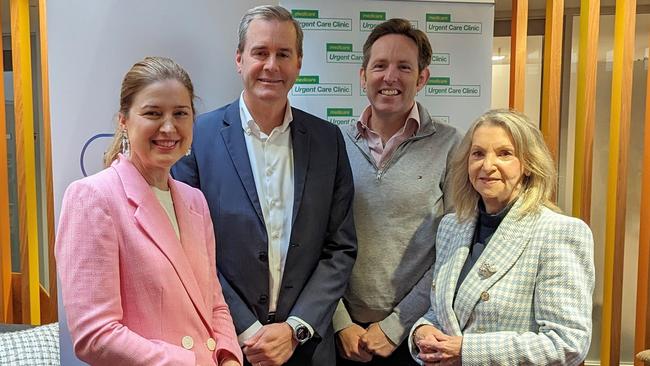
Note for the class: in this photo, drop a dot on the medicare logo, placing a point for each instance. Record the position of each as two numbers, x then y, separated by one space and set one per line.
310 21
442 87
310 85
441 23
440 59
341 116
342 53
368 20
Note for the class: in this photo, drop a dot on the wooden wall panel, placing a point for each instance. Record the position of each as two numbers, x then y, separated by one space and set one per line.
25 161
49 310
641 340
552 76
617 180
518 58
5 227
585 109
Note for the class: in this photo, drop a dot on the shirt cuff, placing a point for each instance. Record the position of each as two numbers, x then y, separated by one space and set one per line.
294 322
248 333
341 319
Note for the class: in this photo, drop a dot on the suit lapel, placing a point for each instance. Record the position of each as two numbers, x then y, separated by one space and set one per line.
153 220
450 271
300 146
190 226
233 137
501 253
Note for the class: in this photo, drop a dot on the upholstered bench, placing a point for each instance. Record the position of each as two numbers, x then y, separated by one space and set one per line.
35 346
644 356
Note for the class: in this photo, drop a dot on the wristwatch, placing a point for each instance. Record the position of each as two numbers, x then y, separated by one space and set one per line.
300 331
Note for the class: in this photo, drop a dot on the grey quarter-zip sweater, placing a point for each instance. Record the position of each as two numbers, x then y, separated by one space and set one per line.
396 213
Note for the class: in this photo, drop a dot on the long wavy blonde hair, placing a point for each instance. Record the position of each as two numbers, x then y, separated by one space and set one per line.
539 182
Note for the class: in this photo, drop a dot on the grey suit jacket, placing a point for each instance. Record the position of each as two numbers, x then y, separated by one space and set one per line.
527 300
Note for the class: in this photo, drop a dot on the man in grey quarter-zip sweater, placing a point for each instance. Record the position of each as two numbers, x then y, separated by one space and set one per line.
399 159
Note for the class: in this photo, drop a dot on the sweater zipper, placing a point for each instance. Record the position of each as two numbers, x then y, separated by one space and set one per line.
380 171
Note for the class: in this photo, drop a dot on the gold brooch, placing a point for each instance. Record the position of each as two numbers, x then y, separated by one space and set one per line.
486 270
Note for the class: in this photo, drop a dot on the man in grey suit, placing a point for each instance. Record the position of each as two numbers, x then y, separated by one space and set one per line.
279 186
399 157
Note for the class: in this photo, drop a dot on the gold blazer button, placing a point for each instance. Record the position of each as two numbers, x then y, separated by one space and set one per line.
187 342
212 345
433 285
485 296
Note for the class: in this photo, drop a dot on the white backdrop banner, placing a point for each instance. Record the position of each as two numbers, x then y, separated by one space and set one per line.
92 44
461 67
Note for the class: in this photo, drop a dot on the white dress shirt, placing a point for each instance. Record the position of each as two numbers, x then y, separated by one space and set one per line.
271 160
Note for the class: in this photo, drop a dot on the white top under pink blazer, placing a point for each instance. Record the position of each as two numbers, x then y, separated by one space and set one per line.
134 294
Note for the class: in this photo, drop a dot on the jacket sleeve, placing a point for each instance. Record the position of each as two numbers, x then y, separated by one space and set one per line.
562 306
222 324
87 255
320 296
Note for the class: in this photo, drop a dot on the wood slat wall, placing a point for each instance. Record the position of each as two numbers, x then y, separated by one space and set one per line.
642 331
621 100
585 109
519 34
5 227
25 161
552 76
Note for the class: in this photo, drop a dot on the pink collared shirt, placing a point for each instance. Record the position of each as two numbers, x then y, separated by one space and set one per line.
381 153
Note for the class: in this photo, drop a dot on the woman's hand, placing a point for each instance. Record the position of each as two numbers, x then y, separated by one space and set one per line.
436 347
230 362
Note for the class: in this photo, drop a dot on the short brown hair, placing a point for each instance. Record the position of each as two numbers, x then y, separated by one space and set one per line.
268 12
403 27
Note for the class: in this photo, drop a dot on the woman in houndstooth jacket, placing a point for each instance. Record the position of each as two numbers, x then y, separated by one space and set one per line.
513 278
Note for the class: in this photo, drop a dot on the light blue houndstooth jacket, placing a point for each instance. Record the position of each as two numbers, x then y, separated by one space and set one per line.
527 300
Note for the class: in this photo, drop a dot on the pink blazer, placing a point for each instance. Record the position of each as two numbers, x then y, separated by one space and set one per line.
133 293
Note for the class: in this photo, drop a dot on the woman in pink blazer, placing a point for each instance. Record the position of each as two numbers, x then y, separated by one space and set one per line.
135 249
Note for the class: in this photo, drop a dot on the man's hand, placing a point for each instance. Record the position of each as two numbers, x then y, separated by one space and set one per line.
376 342
272 345
437 348
347 341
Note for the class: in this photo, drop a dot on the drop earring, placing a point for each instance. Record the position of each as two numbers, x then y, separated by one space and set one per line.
126 146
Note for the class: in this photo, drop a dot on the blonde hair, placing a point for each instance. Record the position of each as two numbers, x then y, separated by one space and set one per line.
540 175
141 75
